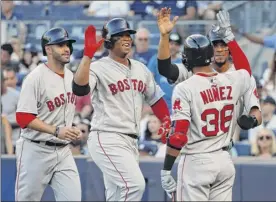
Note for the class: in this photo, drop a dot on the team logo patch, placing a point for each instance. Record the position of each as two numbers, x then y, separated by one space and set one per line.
256 93
177 105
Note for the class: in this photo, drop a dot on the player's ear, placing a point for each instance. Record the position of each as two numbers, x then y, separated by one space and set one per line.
48 50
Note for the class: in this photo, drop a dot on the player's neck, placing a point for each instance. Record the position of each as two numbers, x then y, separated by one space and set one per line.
123 61
204 69
55 66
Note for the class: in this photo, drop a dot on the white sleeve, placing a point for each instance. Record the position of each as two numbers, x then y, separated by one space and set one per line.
184 74
181 104
251 97
93 80
153 91
29 95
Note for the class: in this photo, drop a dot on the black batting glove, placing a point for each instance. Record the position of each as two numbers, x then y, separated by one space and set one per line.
247 122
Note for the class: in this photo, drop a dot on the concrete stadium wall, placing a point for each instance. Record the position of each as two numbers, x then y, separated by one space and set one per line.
255 179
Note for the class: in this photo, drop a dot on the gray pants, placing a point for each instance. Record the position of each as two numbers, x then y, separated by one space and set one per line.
117 157
205 177
39 165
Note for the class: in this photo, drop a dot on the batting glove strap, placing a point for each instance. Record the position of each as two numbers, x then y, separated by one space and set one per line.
247 122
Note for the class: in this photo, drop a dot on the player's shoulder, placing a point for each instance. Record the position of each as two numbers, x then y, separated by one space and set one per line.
36 73
135 63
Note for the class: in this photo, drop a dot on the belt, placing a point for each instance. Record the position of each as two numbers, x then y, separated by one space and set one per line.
132 136
50 143
229 147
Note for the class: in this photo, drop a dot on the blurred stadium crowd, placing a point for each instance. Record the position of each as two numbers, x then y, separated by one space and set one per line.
23 23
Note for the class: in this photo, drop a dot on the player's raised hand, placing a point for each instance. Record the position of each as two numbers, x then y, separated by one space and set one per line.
69 133
224 28
90 43
164 22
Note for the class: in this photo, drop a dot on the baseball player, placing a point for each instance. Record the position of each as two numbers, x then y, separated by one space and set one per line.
118 87
204 118
45 113
221 63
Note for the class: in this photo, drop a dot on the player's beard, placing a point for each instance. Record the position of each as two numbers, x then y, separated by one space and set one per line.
59 58
220 64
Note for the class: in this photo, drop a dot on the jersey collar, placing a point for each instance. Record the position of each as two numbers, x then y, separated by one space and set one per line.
207 74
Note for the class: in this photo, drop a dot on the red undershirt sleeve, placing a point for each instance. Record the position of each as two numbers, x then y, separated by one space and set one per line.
239 58
23 119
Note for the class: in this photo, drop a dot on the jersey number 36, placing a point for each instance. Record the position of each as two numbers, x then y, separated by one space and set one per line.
218 121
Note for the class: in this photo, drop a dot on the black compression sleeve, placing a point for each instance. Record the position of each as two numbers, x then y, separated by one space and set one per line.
168 70
169 161
80 90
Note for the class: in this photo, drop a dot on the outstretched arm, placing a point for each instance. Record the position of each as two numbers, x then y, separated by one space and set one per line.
224 29
80 83
165 26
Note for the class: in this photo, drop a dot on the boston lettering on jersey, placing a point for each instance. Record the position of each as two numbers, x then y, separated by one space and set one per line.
60 100
216 94
124 85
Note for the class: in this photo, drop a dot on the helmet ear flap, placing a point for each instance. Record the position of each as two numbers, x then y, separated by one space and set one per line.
107 42
185 62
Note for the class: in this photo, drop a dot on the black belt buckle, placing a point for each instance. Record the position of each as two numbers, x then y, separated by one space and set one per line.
132 136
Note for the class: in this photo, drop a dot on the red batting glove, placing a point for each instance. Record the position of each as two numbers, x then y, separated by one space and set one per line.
164 129
90 43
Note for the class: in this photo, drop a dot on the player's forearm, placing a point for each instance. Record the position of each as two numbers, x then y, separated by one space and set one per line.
257 113
164 47
40 126
81 77
8 136
239 58
170 158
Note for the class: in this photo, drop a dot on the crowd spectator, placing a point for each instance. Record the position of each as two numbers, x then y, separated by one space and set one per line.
108 9
10 78
30 59
264 144
207 10
9 99
6 135
18 29
268 106
6 52
142 51
186 10
144 8
84 126
175 49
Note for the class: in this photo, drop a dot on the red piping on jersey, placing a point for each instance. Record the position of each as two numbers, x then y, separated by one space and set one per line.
160 109
239 58
182 179
23 119
18 173
61 75
114 166
206 75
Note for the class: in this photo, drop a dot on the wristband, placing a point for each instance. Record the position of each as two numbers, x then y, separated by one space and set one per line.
56 131
169 161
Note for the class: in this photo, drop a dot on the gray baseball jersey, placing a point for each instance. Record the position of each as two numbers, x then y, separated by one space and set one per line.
50 98
251 95
118 93
208 103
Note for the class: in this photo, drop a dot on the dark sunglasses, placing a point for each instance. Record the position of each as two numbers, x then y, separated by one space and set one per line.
143 39
265 137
